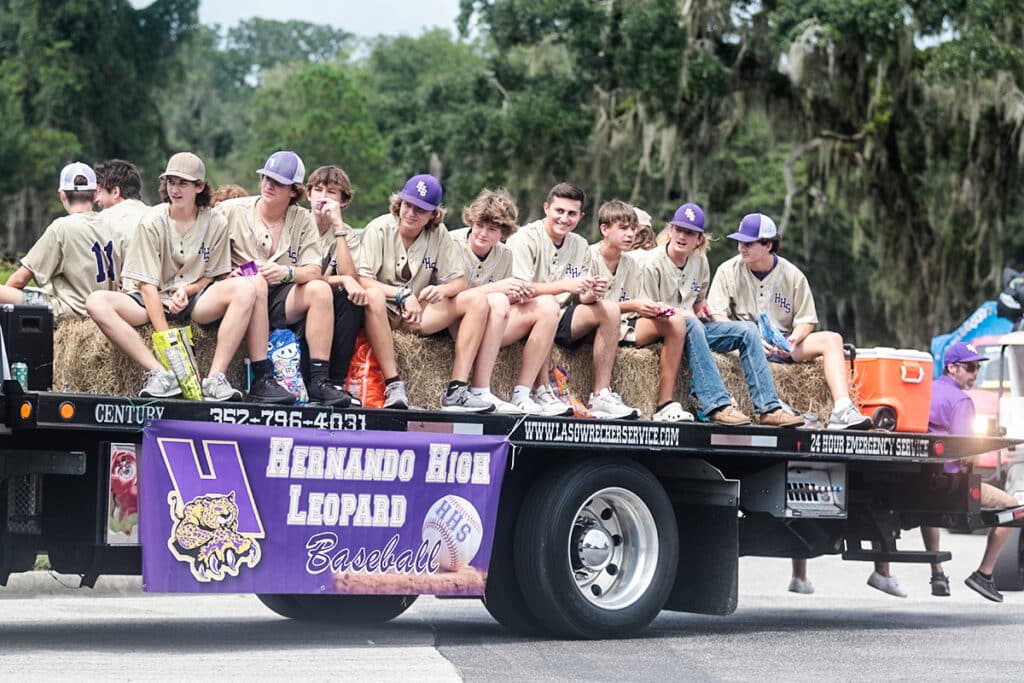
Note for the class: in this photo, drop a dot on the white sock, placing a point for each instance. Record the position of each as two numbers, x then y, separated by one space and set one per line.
519 392
842 404
480 391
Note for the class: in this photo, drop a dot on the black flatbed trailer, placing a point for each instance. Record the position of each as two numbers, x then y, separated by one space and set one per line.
695 496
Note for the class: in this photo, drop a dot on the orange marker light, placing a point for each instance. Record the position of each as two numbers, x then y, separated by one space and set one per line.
26 410
66 410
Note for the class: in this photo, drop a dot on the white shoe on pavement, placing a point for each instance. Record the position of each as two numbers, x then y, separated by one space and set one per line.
607 404
886 584
802 586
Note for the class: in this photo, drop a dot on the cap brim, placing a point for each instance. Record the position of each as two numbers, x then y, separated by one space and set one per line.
276 176
972 359
740 237
417 201
183 176
688 226
77 188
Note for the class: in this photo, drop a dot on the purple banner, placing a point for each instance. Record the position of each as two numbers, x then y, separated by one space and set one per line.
251 509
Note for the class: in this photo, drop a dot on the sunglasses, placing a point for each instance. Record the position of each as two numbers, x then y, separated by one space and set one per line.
970 367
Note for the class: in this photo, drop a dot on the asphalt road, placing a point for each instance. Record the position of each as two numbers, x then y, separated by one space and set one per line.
845 631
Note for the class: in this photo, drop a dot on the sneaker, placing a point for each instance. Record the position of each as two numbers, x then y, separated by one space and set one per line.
729 416
217 388
780 418
527 405
802 586
266 390
940 585
395 396
500 406
326 393
607 404
550 404
886 584
160 384
673 412
462 400
985 587
849 418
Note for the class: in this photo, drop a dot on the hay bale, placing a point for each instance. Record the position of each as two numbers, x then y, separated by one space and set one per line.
84 360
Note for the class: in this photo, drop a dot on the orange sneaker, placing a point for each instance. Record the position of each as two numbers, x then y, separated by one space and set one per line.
780 418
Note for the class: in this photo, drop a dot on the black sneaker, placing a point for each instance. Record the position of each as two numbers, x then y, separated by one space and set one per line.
326 393
940 584
985 587
266 390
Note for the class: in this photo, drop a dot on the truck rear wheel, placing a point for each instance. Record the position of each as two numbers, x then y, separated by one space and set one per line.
596 549
1009 571
338 609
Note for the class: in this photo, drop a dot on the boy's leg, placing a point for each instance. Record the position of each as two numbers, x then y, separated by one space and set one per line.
672 332
11 295
499 317
601 318
472 312
348 320
314 301
231 301
378 332
829 346
117 315
538 320
707 380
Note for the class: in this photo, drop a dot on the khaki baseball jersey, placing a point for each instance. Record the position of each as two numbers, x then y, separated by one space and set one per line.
665 282
76 255
536 258
328 244
433 258
123 219
298 245
497 265
158 255
783 294
623 285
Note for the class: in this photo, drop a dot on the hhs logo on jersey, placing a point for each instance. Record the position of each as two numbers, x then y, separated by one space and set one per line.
782 303
429 263
204 251
572 271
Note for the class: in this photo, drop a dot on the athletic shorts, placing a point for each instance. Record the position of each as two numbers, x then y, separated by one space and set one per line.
276 299
563 336
181 318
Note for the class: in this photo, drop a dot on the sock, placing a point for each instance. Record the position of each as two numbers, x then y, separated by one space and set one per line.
662 406
391 380
260 369
453 385
987 577
842 404
480 391
318 371
520 392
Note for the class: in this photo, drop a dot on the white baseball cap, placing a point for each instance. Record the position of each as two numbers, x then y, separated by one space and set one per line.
72 171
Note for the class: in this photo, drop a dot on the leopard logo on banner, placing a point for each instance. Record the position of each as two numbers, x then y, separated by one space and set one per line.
205 535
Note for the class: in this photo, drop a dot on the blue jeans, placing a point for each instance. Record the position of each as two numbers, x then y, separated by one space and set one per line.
703 338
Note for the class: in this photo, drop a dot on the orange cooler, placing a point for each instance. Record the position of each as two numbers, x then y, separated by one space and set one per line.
895 387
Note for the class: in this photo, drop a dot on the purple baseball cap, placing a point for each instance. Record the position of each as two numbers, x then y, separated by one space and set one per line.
754 227
689 216
961 353
285 167
423 191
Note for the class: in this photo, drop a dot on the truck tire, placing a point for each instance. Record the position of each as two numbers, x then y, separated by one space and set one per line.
596 549
503 598
338 609
1009 571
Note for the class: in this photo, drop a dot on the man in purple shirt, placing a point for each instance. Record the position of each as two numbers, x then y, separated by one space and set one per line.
952 412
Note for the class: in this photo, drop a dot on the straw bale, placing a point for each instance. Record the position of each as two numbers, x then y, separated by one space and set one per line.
84 360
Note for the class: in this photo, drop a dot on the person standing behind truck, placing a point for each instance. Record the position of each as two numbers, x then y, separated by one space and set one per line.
952 412
76 255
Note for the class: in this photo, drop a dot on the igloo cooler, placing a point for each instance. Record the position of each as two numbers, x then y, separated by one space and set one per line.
895 387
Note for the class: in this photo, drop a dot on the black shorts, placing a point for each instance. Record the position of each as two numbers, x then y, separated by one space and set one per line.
181 318
563 336
276 299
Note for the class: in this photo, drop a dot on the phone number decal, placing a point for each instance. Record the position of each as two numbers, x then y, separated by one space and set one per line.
322 419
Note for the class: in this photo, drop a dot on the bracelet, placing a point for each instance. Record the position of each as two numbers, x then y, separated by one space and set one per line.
289 276
402 295
341 233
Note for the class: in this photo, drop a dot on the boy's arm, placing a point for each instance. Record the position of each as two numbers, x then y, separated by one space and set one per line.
20 278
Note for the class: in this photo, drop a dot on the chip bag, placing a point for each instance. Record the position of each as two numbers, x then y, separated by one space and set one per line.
174 349
560 380
285 358
365 380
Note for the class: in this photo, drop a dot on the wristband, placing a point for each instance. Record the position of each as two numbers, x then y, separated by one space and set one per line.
289 276
341 233
402 295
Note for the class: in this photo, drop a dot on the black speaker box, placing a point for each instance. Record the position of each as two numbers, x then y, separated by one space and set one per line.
28 337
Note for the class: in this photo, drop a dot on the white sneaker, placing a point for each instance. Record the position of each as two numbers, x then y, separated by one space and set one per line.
673 412
462 400
849 418
802 586
217 388
160 384
550 404
500 406
886 584
607 404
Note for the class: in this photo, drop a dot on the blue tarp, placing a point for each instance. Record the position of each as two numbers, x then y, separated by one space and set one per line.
982 323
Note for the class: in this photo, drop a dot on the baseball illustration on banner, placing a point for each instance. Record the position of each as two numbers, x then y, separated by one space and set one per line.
454 523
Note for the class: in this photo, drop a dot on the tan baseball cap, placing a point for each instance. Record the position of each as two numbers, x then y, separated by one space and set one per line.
185 165
642 218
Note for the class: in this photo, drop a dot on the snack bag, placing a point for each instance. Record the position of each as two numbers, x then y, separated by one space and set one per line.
174 349
285 358
365 380
772 335
560 380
